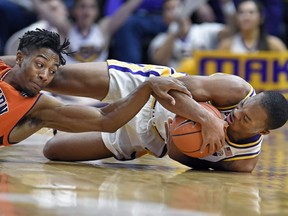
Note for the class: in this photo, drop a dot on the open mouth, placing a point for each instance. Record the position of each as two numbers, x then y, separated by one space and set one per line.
230 118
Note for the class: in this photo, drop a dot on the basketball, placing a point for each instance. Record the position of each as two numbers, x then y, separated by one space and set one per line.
186 134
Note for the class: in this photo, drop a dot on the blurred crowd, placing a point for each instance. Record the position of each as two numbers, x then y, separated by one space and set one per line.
148 31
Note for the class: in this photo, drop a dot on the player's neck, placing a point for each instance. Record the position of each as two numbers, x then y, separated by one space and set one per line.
236 136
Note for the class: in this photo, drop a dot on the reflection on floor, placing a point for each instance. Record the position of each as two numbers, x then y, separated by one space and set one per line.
32 185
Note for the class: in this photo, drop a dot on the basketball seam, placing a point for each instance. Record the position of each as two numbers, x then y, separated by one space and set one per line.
183 134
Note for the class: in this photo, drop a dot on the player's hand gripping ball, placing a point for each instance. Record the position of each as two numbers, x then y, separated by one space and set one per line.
186 134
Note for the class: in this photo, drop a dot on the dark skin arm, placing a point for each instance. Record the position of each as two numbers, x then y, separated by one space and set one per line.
49 112
245 165
108 118
93 75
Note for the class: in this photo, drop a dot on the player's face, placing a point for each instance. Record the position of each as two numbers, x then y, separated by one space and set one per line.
248 119
36 70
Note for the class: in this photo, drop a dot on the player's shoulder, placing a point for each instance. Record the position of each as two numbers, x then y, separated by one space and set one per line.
46 101
232 85
231 77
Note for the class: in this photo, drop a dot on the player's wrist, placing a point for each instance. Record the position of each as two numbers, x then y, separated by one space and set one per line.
148 85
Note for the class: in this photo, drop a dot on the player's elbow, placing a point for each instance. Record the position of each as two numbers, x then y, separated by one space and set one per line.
49 151
56 150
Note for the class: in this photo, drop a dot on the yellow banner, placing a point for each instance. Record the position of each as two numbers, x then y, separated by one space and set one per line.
263 70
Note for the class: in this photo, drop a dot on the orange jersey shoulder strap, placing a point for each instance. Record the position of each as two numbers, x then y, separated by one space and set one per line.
3 69
13 106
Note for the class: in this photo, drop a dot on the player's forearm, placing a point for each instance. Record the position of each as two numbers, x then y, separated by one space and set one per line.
72 118
245 165
195 163
123 110
187 107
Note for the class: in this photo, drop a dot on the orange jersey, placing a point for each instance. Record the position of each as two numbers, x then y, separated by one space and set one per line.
13 106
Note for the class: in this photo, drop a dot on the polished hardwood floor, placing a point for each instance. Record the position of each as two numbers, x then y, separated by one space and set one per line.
32 185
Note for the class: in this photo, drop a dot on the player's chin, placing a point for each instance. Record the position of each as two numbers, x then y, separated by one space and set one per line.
235 127
31 92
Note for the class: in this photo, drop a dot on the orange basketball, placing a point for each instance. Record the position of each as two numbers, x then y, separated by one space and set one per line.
186 134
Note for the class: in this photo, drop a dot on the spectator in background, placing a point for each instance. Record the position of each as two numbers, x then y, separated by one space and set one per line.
15 15
89 40
274 10
144 24
55 8
219 11
182 37
250 33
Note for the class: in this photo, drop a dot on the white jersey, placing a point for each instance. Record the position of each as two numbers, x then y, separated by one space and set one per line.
145 133
138 136
238 46
90 48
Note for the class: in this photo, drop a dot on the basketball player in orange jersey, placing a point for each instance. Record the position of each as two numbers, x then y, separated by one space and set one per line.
24 110
248 115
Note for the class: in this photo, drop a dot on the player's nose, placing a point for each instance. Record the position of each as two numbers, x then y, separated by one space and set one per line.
43 75
237 114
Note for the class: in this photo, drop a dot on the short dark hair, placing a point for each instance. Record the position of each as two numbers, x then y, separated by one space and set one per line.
41 38
276 107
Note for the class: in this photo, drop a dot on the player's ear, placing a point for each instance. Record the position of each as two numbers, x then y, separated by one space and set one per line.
265 132
19 57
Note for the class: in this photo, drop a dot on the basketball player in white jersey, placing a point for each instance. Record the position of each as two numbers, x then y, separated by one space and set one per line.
249 116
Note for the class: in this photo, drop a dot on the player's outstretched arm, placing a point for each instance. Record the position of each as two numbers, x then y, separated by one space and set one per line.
93 75
71 118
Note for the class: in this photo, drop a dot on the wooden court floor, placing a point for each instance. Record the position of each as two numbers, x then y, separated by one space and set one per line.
31 185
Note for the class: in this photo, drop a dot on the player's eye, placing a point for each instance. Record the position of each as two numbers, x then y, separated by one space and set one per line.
52 72
39 65
246 118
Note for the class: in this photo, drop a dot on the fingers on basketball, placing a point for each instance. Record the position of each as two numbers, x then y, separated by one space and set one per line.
187 136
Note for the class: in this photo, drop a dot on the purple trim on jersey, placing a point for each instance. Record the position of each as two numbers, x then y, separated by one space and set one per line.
256 138
252 93
128 70
249 140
